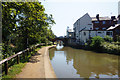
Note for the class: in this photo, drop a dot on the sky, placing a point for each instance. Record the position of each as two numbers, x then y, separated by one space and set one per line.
66 12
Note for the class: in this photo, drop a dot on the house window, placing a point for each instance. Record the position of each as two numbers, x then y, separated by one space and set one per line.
109 33
89 24
99 32
96 28
96 22
90 28
104 22
104 28
70 35
110 22
84 34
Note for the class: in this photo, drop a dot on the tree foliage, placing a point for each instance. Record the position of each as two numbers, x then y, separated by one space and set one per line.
24 24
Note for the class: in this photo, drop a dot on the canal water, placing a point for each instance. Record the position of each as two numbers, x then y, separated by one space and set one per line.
77 63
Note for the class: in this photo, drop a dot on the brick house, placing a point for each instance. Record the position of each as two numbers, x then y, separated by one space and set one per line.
103 23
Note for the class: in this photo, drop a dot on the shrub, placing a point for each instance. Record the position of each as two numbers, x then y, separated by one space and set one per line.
108 38
110 48
96 42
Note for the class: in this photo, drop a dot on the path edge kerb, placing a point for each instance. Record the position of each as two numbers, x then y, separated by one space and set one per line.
49 71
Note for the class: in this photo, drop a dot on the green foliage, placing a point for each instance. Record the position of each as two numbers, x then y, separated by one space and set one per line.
118 38
110 47
108 38
96 42
24 24
15 69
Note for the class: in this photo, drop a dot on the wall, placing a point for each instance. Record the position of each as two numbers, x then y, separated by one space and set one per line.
86 35
85 22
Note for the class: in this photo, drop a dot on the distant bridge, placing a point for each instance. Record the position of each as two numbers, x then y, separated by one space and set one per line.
64 39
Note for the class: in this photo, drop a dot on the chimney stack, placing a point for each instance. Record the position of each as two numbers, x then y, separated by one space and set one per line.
113 18
97 16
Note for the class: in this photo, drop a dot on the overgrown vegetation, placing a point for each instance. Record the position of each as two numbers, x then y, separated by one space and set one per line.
96 43
110 48
108 39
105 44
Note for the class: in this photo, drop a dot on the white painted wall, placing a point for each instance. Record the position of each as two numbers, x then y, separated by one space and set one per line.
83 22
84 38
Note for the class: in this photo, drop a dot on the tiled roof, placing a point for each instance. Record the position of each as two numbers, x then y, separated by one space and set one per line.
113 27
100 18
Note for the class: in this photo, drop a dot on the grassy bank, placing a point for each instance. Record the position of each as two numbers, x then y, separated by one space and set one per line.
13 70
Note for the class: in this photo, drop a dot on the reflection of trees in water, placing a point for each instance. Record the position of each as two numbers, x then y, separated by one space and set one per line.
86 62
51 53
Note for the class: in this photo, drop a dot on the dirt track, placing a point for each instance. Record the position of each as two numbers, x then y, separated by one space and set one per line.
35 68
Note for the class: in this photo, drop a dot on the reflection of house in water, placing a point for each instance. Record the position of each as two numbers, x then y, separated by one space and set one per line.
85 64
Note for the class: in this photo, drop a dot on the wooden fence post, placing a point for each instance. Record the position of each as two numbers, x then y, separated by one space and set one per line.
18 59
27 52
23 55
6 67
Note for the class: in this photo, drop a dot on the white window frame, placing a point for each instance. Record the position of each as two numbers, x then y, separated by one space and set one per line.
111 33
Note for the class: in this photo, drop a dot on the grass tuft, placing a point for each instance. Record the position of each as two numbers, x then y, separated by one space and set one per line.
13 70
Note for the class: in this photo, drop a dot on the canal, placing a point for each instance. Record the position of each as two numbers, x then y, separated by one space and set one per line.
77 63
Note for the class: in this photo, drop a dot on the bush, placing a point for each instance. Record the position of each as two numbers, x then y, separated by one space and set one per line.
108 39
110 48
96 42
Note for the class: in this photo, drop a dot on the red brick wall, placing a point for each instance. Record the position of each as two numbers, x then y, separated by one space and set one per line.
100 25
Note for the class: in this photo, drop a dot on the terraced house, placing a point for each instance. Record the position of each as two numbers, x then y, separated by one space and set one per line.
87 27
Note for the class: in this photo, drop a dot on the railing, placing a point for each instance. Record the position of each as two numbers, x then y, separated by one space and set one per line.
17 56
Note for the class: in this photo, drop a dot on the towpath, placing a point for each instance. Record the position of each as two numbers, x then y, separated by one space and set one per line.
39 66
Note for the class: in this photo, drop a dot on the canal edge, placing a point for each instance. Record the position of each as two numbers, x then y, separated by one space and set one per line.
49 71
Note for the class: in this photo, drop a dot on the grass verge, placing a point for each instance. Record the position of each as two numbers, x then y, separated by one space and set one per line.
13 70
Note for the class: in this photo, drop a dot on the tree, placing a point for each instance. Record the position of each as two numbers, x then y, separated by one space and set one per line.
24 24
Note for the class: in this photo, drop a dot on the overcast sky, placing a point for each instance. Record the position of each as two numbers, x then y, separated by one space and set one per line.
66 12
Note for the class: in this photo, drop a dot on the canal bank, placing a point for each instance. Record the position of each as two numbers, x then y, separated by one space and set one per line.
39 66
98 50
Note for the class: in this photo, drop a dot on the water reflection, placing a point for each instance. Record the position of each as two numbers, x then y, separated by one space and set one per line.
58 47
75 63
